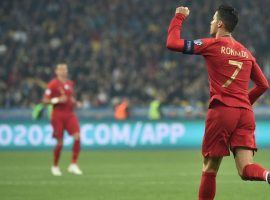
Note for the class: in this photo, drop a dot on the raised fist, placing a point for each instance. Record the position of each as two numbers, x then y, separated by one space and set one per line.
182 10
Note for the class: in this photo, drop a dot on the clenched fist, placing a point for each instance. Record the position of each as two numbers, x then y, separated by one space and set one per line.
182 10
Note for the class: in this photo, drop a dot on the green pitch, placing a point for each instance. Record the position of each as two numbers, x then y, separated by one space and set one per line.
122 175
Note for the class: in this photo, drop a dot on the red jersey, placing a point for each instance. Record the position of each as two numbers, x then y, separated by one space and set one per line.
56 88
229 64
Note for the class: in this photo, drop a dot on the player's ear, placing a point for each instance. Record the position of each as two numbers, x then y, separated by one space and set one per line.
220 24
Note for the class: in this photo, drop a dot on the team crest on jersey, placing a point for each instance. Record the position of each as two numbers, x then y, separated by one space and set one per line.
198 42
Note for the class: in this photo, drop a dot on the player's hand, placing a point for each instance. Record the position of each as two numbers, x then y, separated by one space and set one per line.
79 104
182 10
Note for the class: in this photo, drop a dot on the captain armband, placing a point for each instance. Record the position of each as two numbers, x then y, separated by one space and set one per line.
188 47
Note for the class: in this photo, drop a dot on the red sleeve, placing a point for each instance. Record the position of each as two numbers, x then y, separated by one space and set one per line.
261 83
72 88
49 91
176 43
72 84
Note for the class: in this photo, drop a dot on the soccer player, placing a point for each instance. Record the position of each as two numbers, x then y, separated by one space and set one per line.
230 122
60 93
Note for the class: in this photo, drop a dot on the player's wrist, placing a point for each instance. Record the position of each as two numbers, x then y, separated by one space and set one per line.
180 16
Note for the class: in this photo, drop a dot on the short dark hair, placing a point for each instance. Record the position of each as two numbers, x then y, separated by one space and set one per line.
229 16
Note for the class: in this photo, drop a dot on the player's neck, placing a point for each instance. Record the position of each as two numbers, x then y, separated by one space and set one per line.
62 79
223 33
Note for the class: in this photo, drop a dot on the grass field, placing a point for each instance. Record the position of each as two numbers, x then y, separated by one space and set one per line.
122 175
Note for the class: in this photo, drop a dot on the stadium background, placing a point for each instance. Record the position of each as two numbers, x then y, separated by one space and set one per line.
116 49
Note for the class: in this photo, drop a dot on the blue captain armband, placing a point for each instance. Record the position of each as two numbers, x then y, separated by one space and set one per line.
188 47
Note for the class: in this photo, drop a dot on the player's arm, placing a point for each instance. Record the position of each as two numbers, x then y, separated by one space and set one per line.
174 40
76 103
261 83
176 43
48 98
74 100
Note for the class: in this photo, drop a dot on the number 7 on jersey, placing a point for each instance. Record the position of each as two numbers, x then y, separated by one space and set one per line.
238 68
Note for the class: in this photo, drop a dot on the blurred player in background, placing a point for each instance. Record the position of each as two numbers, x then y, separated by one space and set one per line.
230 122
60 93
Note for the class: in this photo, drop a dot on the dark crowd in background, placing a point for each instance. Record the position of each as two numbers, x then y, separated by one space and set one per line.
114 48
